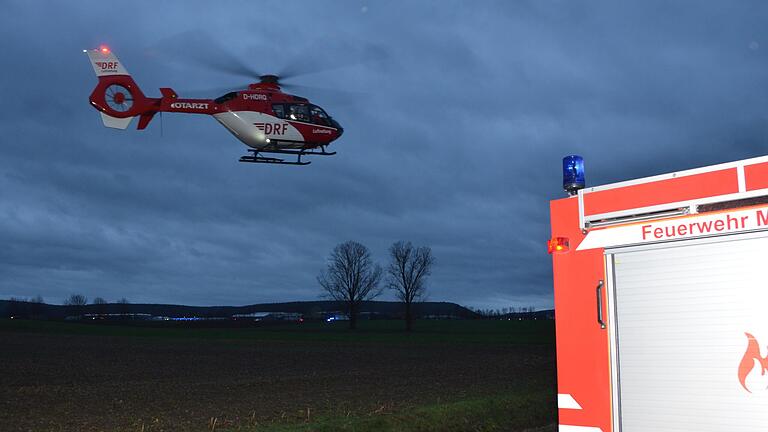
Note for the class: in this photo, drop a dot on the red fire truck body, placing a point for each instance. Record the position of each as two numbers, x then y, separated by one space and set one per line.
661 302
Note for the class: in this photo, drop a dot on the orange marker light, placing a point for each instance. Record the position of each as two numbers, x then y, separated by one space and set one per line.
104 49
557 244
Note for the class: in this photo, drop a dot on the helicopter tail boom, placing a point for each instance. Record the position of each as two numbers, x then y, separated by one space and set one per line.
119 99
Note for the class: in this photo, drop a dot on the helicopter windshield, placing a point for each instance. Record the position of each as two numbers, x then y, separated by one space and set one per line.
302 112
319 116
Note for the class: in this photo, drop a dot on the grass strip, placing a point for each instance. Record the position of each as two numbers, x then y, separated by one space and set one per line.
460 331
497 413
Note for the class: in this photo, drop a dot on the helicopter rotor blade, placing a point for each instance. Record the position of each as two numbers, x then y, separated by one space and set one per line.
315 58
200 48
325 96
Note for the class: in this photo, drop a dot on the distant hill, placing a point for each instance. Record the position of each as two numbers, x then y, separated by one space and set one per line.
308 308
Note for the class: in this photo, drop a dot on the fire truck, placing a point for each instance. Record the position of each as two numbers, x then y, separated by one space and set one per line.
661 300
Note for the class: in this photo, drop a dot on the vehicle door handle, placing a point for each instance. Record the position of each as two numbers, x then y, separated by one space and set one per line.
599 291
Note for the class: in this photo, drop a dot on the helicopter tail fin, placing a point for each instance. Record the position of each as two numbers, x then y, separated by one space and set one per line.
105 62
116 96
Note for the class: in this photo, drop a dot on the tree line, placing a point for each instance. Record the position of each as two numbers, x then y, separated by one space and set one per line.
352 277
22 307
72 300
81 300
503 312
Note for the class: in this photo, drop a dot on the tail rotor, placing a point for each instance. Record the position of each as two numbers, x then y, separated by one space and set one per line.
118 98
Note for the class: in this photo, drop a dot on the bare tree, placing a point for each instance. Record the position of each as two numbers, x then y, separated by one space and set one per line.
37 299
99 301
351 277
76 300
76 304
407 274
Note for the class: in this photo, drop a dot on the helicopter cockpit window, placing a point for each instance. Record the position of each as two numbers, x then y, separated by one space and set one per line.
318 116
226 97
298 112
278 110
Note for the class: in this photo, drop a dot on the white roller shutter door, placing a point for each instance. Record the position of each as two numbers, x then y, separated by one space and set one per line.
681 314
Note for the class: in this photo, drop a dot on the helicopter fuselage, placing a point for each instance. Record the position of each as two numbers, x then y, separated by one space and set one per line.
261 116
265 117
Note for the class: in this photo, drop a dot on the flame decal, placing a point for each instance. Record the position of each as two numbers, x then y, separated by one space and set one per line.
748 361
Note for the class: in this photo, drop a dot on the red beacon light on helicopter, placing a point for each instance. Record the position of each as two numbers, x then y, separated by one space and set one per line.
557 245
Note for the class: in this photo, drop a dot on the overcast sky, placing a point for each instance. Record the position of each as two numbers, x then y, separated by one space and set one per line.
456 117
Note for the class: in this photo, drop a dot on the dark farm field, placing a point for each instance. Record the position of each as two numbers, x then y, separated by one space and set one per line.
447 375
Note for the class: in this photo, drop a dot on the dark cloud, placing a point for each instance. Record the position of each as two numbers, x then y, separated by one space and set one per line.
456 118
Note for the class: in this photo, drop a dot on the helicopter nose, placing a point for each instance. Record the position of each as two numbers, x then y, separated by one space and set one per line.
336 124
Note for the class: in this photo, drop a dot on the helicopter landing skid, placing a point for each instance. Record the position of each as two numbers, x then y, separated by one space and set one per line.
255 156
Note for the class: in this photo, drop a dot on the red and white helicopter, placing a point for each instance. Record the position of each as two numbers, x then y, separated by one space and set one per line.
261 116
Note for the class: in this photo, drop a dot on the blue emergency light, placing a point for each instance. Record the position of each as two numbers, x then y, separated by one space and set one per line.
573 174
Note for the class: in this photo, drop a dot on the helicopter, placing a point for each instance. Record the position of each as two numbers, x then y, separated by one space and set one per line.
262 116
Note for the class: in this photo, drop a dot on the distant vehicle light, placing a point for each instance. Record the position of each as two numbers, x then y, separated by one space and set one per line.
558 244
573 174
